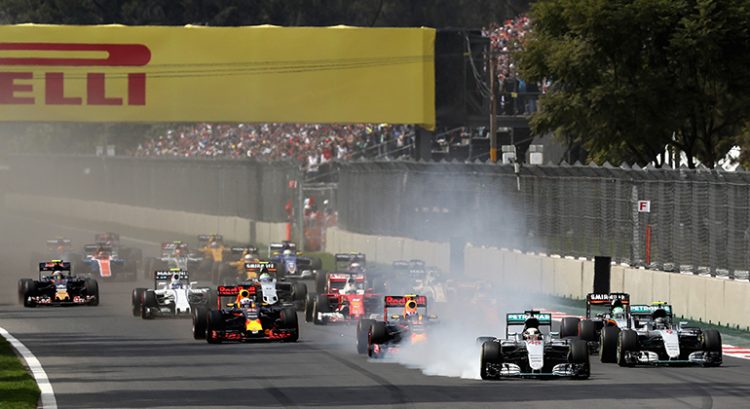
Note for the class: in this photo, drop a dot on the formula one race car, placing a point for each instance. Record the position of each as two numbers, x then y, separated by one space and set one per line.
174 254
532 353
346 299
103 260
58 287
344 263
405 322
247 317
606 314
657 340
56 249
291 264
173 295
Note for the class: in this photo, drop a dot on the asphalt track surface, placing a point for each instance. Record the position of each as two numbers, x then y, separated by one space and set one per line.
102 357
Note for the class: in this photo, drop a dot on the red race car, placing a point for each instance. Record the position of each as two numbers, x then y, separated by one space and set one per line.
405 322
346 298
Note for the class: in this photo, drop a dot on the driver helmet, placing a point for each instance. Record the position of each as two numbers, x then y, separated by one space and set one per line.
660 323
265 278
246 303
178 251
175 283
248 258
60 249
618 312
214 244
531 333
57 276
355 267
410 309
351 285
287 252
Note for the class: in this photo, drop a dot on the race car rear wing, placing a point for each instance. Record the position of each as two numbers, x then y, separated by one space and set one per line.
93 248
242 250
54 265
258 266
605 300
60 242
397 301
233 291
530 318
166 275
204 238
596 298
344 259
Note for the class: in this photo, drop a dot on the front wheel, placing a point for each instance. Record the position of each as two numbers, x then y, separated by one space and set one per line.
200 318
626 342
92 288
135 300
608 345
491 355
363 326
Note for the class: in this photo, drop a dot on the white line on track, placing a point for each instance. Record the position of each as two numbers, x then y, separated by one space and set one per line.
48 394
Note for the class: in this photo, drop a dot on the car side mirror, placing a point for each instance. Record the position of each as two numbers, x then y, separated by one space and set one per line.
682 323
395 316
192 283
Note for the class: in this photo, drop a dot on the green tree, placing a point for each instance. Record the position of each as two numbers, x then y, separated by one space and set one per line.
631 77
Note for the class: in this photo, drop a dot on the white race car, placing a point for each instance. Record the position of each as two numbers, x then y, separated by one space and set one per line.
173 295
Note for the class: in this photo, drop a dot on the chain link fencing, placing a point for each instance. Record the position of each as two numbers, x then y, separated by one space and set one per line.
243 188
699 220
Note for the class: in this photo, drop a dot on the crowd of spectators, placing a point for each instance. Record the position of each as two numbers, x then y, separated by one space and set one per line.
516 96
310 145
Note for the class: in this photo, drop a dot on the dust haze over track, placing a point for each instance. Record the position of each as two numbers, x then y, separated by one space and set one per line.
101 357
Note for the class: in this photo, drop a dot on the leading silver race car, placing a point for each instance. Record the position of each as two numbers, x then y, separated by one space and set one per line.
533 353
657 340
173 295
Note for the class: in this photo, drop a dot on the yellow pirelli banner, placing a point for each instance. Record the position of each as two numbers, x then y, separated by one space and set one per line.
217 74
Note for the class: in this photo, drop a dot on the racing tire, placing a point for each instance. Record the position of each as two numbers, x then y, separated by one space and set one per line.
215 322
491 354
712 344
569 327
377 334
321 306
136 298
587 330
579 354
309 307
30 291
23 286
200 318
320 283
299 291
289 322
626 342
212 299
608 345
363 326
149 301
92 288
316 263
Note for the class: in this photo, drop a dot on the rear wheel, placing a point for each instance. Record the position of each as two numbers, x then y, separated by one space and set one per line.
136 299
215 323
491 354
626 342
608 345
712 345
569 327
309 307
320 283
92 288
289 322
30 292
363 326
321 306
148 304
376 335
23 287
587 330
200 318
579 354
299 291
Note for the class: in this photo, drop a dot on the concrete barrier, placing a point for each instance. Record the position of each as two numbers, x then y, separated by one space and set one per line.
170 221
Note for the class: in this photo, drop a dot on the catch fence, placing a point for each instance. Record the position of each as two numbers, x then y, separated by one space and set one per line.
698 219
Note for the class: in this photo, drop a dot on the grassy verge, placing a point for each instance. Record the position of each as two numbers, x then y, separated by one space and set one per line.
17 388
